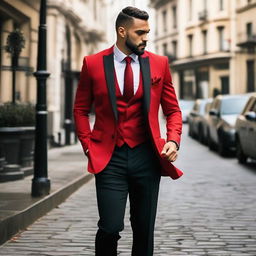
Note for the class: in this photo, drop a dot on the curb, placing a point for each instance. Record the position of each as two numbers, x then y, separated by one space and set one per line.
22 219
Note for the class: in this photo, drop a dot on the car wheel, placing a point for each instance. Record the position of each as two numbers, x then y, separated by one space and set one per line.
193 135
210 142
201 134
239 153
206 138
222 150
190 131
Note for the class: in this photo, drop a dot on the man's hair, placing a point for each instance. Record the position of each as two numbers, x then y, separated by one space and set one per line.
126 16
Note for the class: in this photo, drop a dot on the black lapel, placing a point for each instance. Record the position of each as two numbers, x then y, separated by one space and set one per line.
145 69
110 79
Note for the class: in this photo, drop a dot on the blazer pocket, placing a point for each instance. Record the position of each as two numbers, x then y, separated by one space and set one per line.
155 86
155 81
96 135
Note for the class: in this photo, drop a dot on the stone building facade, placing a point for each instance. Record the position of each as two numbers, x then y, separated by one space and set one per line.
210 44
75 28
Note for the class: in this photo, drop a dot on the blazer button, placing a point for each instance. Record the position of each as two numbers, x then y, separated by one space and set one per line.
113 136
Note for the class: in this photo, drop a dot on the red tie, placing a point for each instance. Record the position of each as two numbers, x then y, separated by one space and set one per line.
128 80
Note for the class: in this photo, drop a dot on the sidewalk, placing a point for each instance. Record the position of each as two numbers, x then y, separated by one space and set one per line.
18 209
210 211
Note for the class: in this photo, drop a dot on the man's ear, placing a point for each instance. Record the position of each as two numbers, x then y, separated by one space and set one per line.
121 32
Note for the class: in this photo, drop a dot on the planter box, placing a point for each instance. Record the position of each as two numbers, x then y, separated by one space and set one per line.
2 159
17 149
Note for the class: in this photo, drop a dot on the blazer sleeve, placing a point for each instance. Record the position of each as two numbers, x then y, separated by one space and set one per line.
82 106
171 108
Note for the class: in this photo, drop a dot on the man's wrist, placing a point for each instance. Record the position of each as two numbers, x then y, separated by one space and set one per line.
176 143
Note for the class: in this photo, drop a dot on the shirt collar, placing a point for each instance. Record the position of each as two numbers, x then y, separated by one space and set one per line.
119 55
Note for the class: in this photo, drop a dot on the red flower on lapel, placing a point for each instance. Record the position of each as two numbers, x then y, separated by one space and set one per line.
155 80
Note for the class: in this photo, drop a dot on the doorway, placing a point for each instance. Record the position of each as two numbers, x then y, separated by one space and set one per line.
224 84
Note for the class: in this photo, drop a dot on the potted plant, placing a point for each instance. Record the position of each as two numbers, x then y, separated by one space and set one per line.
17 127
14 45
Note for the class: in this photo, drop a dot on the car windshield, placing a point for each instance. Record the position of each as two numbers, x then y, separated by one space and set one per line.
233 106
186 104
202 107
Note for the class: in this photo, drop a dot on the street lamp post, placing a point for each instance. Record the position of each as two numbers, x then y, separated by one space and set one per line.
40 181
68 91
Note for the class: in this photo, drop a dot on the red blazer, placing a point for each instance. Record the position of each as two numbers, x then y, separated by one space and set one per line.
97 85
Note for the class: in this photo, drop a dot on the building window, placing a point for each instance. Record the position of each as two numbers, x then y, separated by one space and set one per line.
174 16
190 45
204 41
250 76
157 50
249 30
224 80
165 49
205 4
221 6
221 38
156 31
164 13
174 49
95 9
203 14
190 10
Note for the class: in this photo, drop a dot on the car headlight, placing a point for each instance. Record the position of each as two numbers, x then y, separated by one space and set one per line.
226 127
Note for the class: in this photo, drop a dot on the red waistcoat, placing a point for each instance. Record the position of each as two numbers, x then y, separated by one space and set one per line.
131 128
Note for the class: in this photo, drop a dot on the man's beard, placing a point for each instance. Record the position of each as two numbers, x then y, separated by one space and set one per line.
133 47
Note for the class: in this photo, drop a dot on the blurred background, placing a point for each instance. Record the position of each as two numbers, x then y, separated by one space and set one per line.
75 28
210 46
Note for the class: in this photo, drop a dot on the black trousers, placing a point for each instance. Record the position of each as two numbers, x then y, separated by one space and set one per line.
134 172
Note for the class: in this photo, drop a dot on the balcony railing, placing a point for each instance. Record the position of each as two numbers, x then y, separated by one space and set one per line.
171 57
247 41
202 15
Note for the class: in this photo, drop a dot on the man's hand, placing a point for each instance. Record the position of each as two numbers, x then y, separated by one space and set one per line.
170 151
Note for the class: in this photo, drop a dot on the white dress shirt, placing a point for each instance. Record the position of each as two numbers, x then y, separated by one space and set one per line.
120 64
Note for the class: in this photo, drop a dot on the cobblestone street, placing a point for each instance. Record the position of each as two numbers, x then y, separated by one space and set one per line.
211 210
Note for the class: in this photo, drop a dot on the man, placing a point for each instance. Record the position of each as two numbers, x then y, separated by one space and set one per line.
124 149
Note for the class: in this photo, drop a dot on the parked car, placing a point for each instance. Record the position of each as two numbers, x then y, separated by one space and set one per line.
221 121
185 106
195 119
246 131
203 135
